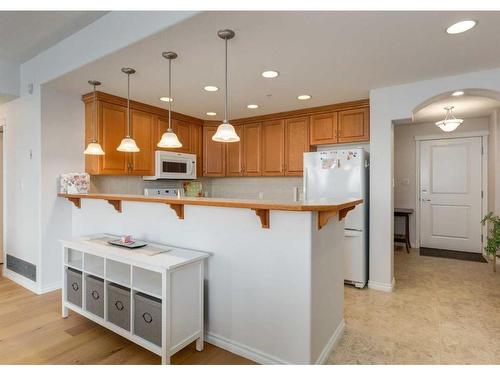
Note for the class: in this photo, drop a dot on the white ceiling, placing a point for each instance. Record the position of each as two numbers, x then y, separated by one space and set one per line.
467 106
24 35
333 56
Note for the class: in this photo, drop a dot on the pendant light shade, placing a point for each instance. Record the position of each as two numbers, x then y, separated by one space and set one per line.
225 131
94 148
128 144
169 138
450 122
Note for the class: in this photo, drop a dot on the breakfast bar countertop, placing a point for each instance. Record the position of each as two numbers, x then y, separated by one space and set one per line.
331 204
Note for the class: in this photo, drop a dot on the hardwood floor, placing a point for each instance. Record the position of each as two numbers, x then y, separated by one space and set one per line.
33 332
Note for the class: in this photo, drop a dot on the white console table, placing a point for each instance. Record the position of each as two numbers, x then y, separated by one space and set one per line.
173 279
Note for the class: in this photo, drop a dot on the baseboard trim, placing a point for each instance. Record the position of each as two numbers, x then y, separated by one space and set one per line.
332 343
50 287
21 280
243 350
383 287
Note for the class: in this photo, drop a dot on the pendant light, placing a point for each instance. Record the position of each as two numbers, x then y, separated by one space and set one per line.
225 132
169 139
128 144
94 148
450 122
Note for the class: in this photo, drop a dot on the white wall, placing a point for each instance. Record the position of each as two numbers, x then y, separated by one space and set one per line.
386 105
405 163
9 80
62 151
25 191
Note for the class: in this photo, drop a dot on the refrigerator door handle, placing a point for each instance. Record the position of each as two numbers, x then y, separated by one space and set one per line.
305 183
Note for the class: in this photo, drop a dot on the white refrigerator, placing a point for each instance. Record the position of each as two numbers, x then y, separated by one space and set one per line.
344 173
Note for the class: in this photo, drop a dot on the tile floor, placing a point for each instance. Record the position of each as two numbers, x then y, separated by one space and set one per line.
443 311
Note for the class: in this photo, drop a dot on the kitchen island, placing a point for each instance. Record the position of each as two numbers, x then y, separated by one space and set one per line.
274 282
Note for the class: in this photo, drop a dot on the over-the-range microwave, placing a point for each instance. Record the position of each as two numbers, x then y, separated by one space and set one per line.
173 166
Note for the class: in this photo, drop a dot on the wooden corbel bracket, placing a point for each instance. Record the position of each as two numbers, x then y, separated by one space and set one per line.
343 212
324 216
179 209
76 201
117 204
263 214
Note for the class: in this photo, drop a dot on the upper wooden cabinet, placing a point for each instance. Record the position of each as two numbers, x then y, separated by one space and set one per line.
324 128
214 154
342 126
353 125
252 145
197 147
142 129
147 124
273 148
296 143
234 154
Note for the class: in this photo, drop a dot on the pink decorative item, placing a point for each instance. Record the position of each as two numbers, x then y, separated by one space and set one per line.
127 239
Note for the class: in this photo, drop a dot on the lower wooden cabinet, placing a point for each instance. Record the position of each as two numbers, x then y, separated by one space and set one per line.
214 154
296 143
273 148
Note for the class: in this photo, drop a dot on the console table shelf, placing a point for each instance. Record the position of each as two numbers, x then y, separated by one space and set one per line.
172 281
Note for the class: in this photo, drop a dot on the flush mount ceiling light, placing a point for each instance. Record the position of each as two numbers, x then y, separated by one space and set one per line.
461 27
450 122
270 74
211 88
304 97
166 99
225 131
128 144
252 106
94 148
169 138
211 114
458 93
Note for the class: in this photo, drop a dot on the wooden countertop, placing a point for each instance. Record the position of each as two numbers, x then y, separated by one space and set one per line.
326 208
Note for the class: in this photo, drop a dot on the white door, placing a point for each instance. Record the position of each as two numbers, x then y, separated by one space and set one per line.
450 194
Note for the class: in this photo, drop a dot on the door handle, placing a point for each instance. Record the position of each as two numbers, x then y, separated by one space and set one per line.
426 200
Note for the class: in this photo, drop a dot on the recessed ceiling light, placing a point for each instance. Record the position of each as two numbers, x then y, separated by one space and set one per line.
270 74
304 97
461 27
252 106
211 114
166 99
458 93
211 88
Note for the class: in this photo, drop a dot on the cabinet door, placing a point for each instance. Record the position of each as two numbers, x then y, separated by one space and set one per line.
183 131
296 143
252 149
161 127
112 129
273 147
92 162
142 129
324 128
354 125
234 154
197 147
213 154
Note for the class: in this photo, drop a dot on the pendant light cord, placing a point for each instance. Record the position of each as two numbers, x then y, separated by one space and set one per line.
128 105
94 117
170 94
225 86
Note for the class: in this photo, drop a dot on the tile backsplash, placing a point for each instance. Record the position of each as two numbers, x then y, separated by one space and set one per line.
267 188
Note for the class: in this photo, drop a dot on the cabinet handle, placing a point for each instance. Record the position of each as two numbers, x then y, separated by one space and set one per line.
95 294
75 286
147 317
119 305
